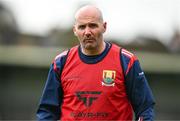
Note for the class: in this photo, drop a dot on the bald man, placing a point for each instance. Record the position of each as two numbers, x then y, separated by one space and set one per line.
89 28
95 80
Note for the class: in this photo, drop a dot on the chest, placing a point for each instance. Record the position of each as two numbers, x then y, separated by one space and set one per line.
105 76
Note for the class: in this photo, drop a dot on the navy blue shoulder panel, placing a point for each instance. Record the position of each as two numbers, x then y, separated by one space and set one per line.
60 61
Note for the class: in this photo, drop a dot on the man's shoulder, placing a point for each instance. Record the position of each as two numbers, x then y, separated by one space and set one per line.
60 60
124 51
65 53
62 54
127 53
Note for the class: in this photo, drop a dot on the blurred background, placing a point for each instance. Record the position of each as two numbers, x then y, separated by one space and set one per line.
33 32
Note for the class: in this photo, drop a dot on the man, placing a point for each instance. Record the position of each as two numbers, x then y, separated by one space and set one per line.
96 80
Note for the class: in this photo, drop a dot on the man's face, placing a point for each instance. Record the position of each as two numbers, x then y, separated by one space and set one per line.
89 30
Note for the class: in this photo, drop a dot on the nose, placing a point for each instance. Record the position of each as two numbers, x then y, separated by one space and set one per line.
87 31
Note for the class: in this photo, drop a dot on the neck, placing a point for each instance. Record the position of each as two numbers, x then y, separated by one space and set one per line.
95 51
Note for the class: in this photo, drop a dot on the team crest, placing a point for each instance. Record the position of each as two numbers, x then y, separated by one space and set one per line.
108 77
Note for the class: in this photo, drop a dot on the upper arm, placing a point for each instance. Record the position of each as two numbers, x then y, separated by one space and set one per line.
138 90
51 99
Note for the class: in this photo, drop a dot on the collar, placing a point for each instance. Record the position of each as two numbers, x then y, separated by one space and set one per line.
95 58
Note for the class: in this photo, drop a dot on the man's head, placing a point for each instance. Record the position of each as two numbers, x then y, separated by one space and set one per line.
89 28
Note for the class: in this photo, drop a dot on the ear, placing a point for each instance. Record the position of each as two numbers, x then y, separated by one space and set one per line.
104 27
74 30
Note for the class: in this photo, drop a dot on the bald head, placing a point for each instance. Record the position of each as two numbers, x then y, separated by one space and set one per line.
89 10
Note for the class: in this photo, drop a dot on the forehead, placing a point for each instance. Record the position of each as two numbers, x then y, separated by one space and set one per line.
87 20
88 15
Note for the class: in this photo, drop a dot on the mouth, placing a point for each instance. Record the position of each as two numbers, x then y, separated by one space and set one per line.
89 43
89 40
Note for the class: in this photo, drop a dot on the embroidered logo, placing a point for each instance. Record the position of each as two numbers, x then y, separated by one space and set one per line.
108 77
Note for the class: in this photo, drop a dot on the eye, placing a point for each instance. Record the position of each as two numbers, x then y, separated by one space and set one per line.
93 25
81 27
